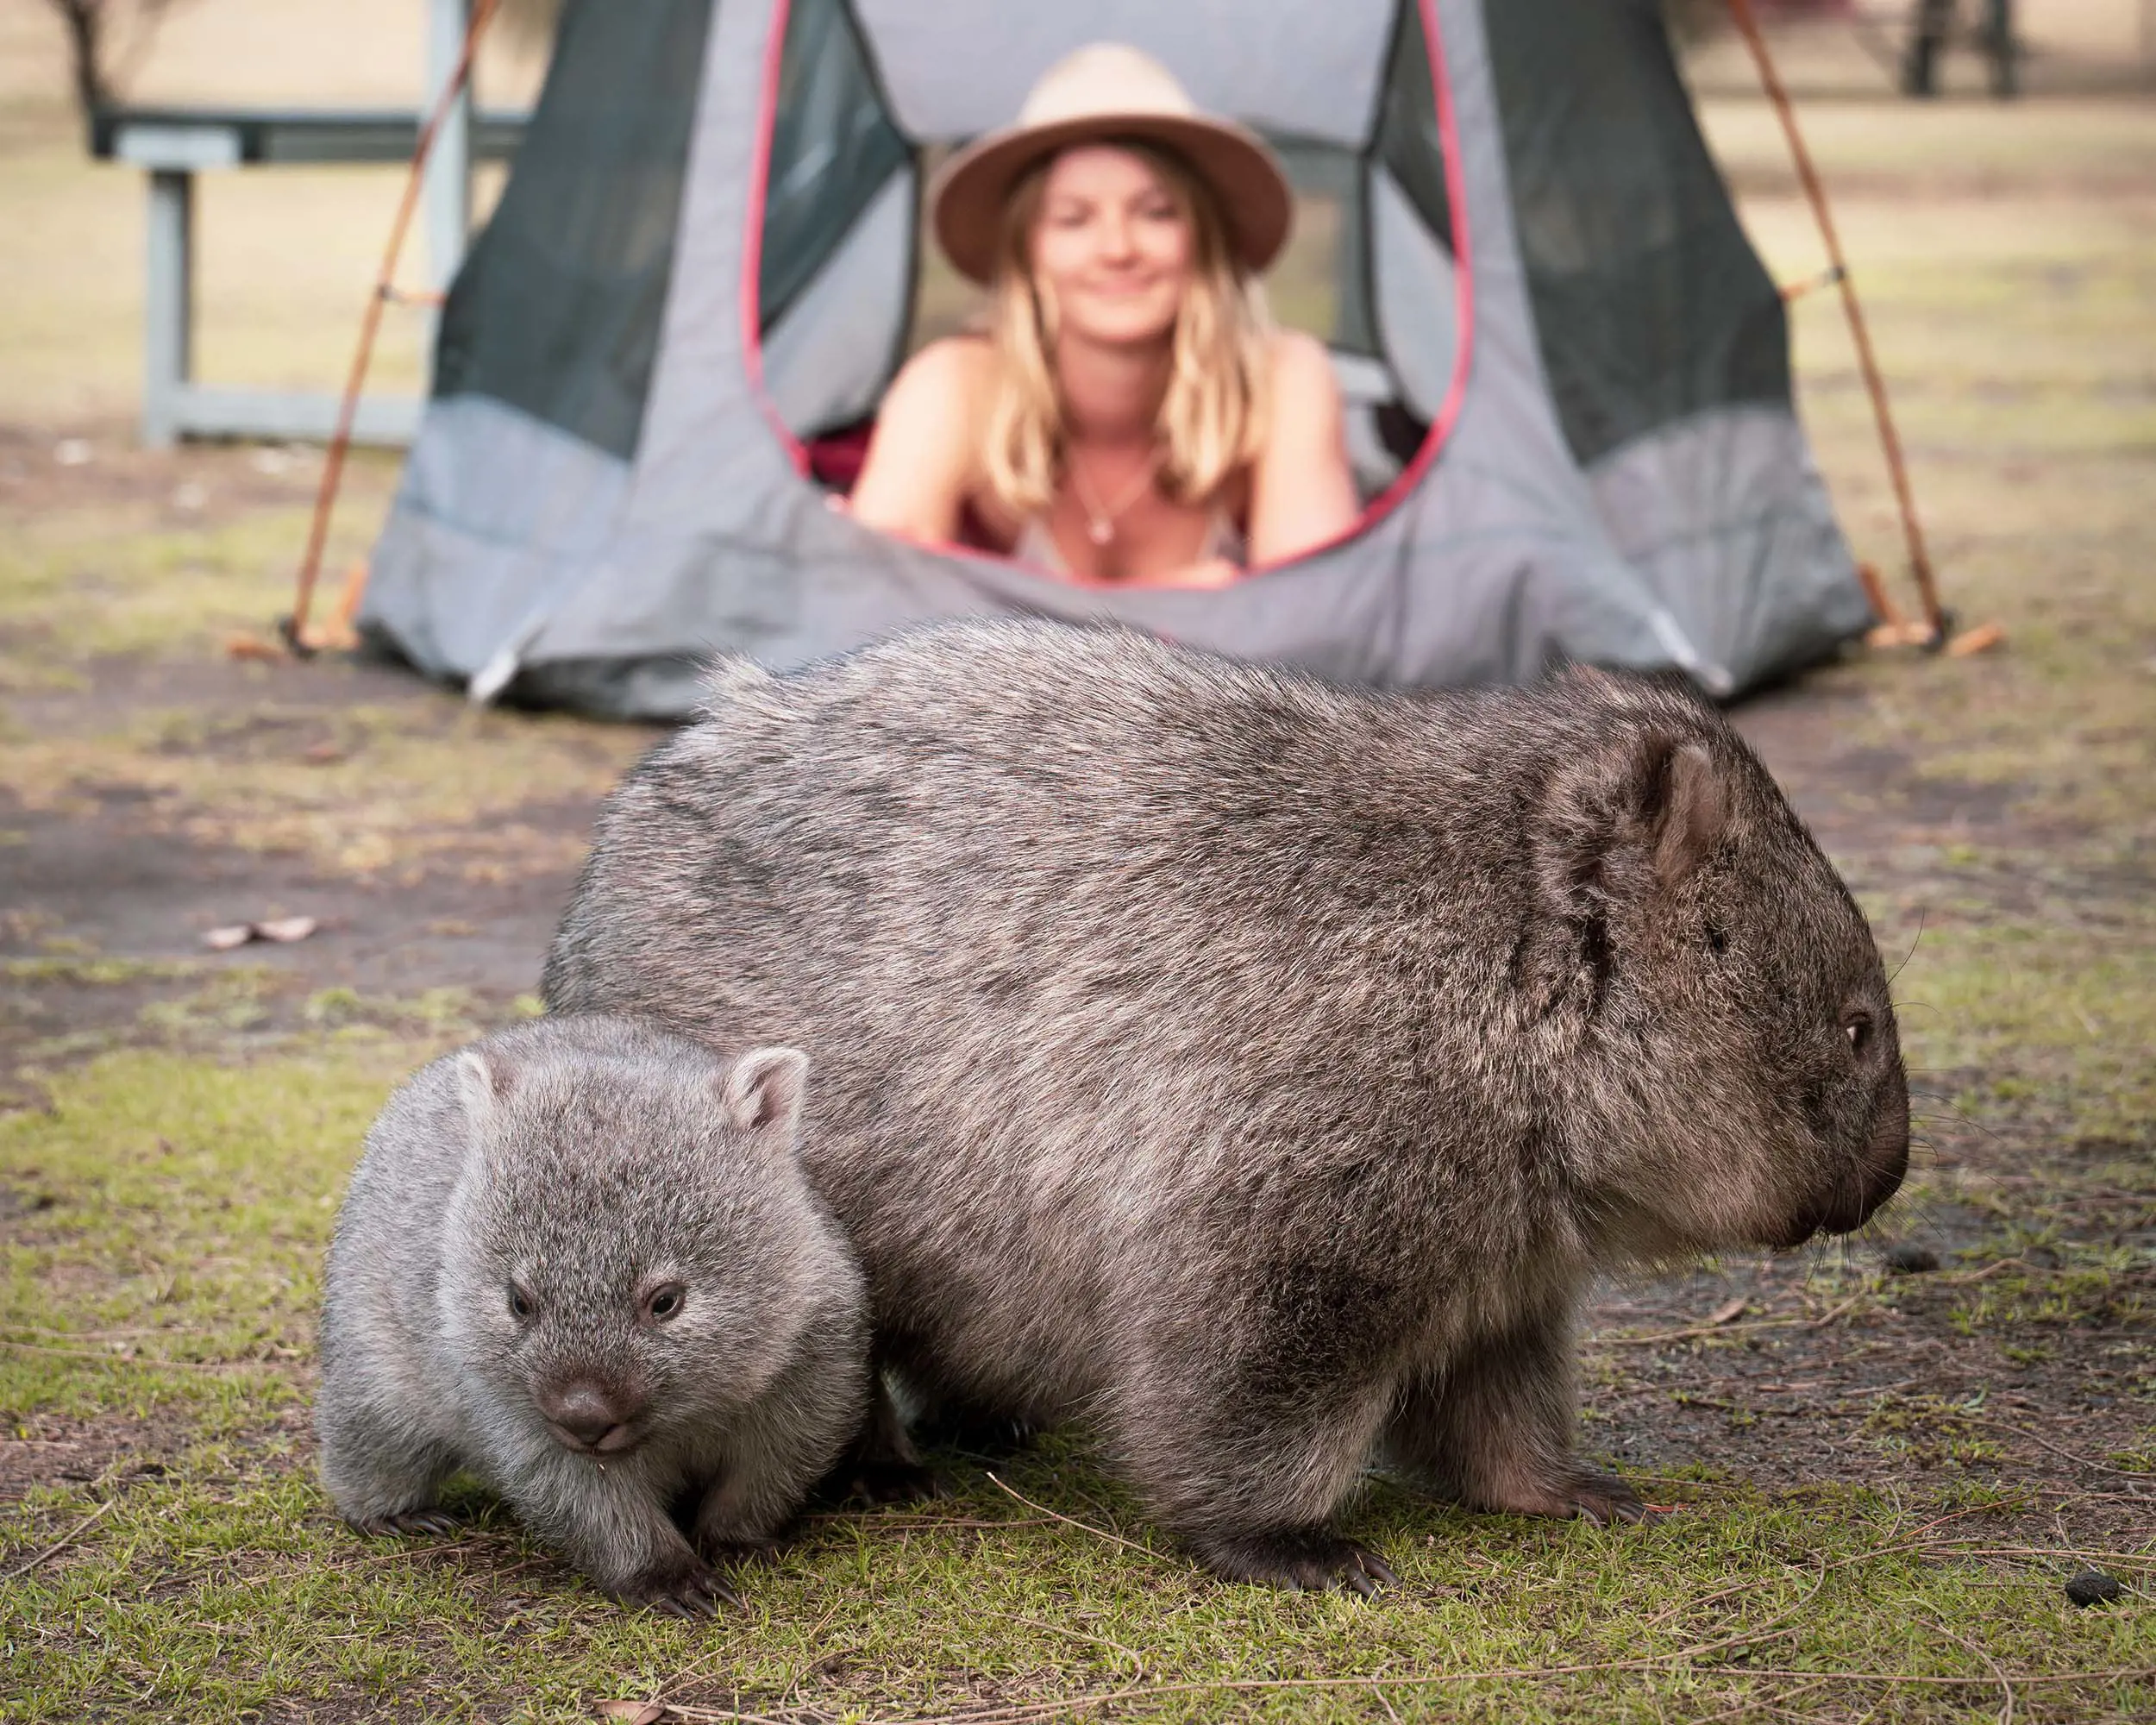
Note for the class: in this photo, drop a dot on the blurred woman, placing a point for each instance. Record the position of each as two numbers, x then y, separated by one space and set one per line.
1130 414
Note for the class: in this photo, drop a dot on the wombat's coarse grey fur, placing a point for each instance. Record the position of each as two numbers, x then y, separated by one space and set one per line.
580 1258
1257 1069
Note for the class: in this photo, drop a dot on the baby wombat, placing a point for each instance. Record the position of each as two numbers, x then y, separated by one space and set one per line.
580 1258
1257 1069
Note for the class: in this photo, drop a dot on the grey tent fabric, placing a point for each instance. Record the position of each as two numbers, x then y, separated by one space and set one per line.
1567 373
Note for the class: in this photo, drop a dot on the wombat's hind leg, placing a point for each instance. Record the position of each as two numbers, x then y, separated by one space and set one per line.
1305 1559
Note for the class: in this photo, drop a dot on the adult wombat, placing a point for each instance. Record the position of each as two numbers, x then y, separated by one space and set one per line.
1257 1068
580 1258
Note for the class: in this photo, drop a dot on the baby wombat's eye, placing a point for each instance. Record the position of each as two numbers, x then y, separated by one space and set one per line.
665 1301
1717 941
1858 1028
520 1304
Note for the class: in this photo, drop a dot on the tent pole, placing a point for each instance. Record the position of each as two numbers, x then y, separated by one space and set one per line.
294 627
1920 560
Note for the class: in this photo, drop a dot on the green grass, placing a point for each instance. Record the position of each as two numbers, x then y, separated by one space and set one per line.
165 1272
861 1618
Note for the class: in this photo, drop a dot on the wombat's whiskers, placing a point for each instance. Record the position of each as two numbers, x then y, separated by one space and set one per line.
1920 915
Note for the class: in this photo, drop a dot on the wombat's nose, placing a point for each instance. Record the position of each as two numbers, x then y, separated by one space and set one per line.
1889 1138
1883 1164
587 1414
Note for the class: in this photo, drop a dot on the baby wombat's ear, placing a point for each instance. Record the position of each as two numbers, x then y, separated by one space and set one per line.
484 1076
1686 812
764 1088
1634 818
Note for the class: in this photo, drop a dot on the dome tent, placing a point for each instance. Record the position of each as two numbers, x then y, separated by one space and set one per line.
1567 371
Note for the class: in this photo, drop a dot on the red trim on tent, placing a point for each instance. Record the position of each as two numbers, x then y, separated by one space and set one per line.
843 463
752 243
1463 288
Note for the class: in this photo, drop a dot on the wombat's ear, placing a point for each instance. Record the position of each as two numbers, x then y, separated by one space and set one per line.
1687 812
763 1090
486 1078
1615 825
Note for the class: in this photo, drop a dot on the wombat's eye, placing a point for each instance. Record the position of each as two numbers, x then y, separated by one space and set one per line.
1716 940
520 1304
665 1301
1858 1028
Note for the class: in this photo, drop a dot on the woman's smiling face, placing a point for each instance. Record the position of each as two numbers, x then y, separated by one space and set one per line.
1112 245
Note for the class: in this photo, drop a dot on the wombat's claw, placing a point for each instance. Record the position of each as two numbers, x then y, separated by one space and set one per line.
697 1592
1603 1498
438 1522
1299 1562
1370 1573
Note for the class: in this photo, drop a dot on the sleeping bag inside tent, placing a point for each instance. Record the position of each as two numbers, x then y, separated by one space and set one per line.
1567 373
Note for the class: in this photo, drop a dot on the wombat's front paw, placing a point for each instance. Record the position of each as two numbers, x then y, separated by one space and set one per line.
437 1522
690 1590
1603 1498
1311 1560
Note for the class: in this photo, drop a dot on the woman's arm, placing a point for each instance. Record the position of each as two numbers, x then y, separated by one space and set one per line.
1302 491
921 460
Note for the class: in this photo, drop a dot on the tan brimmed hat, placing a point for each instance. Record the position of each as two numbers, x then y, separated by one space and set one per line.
1099 94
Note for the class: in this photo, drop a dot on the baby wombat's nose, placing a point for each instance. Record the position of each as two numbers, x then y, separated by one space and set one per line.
588 1415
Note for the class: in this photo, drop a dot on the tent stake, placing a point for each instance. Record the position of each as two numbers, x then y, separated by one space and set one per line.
1920 560
294 628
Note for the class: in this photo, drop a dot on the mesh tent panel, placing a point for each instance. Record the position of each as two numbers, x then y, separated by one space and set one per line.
833 147
557 308
1650 304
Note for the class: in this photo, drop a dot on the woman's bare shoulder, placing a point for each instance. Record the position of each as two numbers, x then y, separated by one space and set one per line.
921 459
1302 368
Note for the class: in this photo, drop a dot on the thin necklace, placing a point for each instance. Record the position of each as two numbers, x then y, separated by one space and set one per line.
1100 521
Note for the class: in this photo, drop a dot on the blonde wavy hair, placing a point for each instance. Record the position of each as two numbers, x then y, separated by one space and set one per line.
1212 419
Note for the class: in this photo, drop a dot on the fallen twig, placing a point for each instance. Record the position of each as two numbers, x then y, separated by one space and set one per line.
2006 1713
2039 1438
1137 1659
1020 1713
929 1520
1072 1522
61 1544
1724 1327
